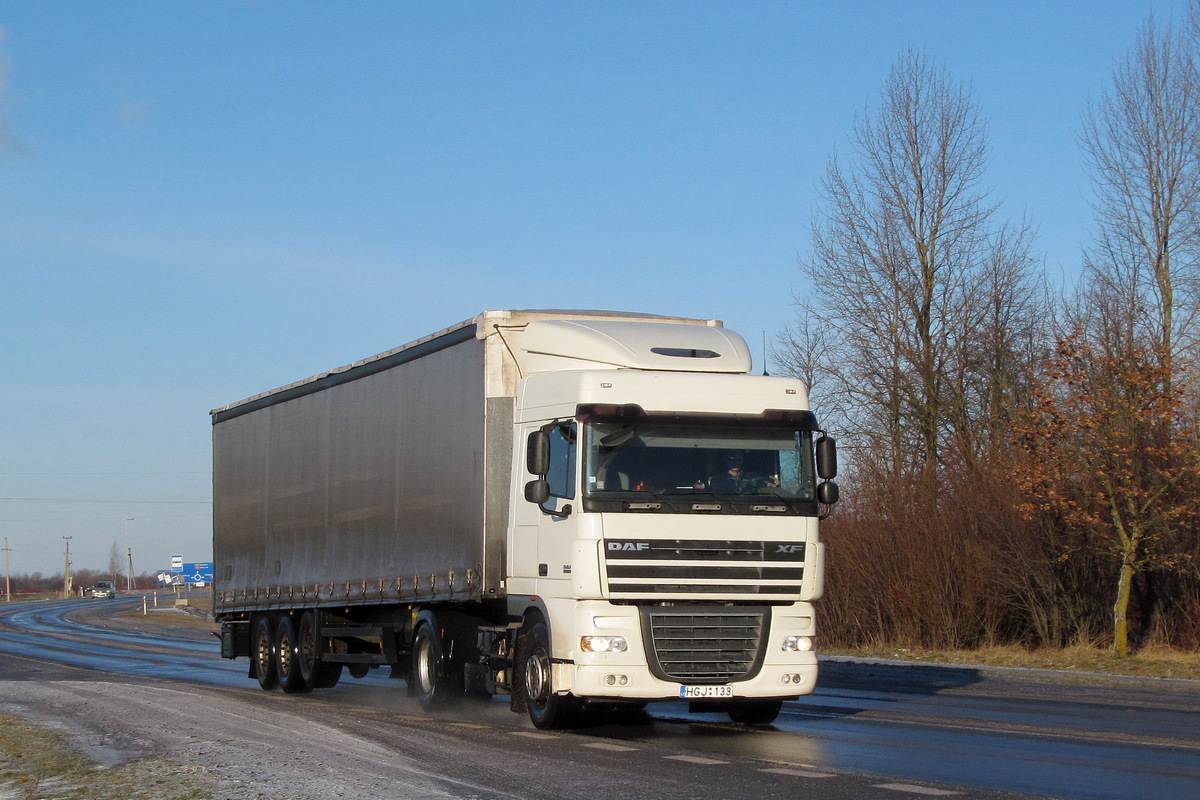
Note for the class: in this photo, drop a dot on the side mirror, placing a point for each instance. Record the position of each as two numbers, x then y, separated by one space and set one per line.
537 492
827 493
537 453
826 458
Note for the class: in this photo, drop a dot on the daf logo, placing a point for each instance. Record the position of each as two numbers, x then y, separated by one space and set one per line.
789 548
636 546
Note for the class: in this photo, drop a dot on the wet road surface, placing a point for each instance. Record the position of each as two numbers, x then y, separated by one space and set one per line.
870 730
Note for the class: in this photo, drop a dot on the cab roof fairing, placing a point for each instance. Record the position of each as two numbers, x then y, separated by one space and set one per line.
560 394
561 344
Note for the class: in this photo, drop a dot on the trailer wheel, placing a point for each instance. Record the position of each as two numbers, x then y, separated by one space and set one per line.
287 656
431 675
755 712
263 653
316 673
547 710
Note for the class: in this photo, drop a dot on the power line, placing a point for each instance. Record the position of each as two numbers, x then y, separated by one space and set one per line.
26 474
97 518
103 500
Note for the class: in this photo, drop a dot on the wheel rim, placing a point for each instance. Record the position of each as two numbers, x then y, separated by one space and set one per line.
264 653
425 666
285 655
537 677
308 649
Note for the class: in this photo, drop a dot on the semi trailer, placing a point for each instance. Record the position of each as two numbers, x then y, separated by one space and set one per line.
577 509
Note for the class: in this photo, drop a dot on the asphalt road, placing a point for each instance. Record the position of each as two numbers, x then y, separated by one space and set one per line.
123 689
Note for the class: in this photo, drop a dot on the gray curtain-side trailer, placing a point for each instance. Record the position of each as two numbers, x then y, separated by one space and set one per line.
384 482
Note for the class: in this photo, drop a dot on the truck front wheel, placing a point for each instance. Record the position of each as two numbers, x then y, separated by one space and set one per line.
547 710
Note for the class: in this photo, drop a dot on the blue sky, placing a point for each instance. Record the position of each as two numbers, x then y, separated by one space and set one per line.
202 201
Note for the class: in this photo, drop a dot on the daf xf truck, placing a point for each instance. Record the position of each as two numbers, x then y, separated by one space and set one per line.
575 509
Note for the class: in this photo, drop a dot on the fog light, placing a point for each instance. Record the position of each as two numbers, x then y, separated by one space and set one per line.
798 644
793 679
615 680
622 680
603 644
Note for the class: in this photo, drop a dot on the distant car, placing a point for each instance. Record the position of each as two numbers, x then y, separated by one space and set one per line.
104 589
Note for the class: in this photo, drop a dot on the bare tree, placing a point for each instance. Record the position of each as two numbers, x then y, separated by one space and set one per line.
115 568
1112 460
918 334
915 286
998 354
1141 141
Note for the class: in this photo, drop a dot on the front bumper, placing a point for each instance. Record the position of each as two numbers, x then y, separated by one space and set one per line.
628 675
605 682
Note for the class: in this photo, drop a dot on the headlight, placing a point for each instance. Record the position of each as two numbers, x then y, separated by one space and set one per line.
603 644
798 644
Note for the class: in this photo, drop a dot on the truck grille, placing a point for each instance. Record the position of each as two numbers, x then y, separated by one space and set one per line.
705 645
651 569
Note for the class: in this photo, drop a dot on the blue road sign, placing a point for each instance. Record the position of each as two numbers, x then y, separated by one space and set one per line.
201 572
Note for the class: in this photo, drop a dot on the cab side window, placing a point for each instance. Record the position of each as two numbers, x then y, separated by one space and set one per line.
561 476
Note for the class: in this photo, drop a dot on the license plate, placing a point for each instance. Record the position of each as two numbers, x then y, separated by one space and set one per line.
702 692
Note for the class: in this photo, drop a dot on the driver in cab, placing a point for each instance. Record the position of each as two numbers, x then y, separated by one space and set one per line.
735 480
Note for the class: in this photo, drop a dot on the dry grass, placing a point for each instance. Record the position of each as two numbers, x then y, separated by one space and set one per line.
195 613
1153 661
37 763
173 618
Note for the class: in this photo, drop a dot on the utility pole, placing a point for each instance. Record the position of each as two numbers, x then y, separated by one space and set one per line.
7 582
129 577
67 569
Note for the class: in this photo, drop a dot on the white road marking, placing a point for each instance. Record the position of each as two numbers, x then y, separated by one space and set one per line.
696 760
616 748
800 773
911 789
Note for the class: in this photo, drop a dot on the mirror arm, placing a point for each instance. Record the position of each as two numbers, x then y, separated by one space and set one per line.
557 513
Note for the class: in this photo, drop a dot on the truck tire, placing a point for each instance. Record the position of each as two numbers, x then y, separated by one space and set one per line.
315 672
287 650
262 650
547 710
432 674
755 712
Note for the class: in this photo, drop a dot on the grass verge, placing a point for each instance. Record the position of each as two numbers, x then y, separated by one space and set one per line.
1149 662
38 763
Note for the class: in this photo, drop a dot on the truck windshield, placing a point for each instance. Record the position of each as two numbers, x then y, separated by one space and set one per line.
656 460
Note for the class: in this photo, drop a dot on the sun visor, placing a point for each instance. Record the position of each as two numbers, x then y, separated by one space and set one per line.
611 344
